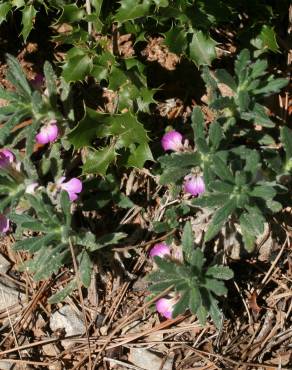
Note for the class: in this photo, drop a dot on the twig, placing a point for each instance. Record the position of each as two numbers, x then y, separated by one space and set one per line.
88 11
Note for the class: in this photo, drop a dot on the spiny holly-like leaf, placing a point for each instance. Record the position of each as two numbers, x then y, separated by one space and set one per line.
76 68
28 15
98 161
139 155
176 40
130 9
4 10
202 49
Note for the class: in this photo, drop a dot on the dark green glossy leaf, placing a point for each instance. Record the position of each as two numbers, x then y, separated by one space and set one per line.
202 49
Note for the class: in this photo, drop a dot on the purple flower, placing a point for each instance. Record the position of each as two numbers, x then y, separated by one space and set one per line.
172 140
4 223
38 81
48 133
165 307
73 187
6 157
194 185
160 250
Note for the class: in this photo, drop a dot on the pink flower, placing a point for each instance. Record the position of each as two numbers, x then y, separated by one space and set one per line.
6 157
165 307
73 187
48 133
160 250
194 185
172 140
4 223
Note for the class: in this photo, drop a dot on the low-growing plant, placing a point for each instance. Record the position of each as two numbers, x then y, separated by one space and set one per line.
195 284
236 153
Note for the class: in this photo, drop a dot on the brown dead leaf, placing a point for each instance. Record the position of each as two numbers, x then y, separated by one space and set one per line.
255 308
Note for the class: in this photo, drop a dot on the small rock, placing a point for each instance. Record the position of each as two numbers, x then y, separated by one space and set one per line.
9 294
66 318
147 360
4 264
5 365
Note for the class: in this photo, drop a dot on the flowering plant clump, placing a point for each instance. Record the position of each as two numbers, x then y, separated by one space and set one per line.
77 139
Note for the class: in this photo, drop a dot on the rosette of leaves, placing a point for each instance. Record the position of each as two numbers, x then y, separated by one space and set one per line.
24 104
52 232
196 284
236 184
247 88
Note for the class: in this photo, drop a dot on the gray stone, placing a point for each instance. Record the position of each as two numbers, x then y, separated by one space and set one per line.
147 360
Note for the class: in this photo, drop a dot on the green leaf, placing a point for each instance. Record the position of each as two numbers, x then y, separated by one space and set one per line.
172 175
76 68
32 245
202 314
198 123
197 259
225 77
215 135
241 64
187 240
222 170
63 293
139 155
215 313
17 77
28 15
263 191
211 200
195 299
71 13
202 49
4 10
51 79
66 206
221 186
130 9
215 286
220 272
85 268
98 161
180 160
182 305
268 39
247 234
272 87
219 218
176 40
253 222
286 138
107 239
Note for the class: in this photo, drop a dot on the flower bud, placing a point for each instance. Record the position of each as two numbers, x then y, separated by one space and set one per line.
194 185
4 223
73 187
48 133
165 307
38 81
160 250
30 189
172 140
6 157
